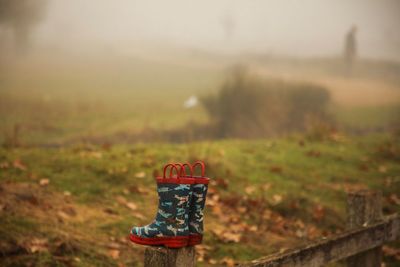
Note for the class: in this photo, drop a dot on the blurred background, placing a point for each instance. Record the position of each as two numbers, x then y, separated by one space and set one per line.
290 104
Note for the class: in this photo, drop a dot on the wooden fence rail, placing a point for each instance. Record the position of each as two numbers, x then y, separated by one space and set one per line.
360 245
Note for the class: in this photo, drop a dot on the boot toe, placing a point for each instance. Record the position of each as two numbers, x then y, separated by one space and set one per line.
135 231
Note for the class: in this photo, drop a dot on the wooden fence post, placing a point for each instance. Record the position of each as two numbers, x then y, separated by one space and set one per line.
169 257
364 208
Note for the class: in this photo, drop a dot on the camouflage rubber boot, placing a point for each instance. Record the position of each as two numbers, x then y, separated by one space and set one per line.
197 205
170 227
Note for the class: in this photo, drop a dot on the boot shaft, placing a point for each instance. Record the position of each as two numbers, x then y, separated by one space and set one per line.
198 201
197 205
173 208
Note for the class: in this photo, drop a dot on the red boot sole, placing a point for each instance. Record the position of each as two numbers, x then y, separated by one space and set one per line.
171 242
195 239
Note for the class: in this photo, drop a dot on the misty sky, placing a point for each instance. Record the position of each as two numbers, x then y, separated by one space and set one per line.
293 27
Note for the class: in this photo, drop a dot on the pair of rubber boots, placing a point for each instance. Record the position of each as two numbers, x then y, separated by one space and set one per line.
179 220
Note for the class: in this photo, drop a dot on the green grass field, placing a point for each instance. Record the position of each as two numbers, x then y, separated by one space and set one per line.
267 195
73 186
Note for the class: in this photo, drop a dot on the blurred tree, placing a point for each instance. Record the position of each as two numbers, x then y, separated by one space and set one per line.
21 16
248 106
228 24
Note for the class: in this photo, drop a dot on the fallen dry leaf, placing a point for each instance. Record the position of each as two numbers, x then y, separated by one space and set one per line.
226 235
242 210
266 186
217 230
250 189
212 261
217 210
69 210
231 237
37 245
125 191
275 169
17 164
318 212
63 215
123 240
121 200
114 253
382 169
253 228
113 245
300 233
394 199
312 232
131 205
96 154
139 216
229 262
212 200
363 167
283 249
4 165
143 190
110 211
313 153
148 162
138 189
391 252
140 175
201 251
299 223
277 199
44 182
266 215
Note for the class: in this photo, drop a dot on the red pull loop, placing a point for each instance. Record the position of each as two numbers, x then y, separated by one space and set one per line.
180 169
183 170
173 167
202 165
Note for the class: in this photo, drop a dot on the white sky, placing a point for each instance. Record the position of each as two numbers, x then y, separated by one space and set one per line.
293 27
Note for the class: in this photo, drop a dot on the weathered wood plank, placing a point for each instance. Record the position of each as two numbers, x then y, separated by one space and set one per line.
169 257
364 208
337 247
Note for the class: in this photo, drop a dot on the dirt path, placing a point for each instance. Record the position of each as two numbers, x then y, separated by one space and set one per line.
354 92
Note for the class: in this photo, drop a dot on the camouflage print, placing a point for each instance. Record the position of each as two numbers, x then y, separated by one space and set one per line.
196 208
172 216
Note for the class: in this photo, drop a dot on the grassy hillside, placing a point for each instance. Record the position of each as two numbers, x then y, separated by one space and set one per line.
74 206
62 102
58 100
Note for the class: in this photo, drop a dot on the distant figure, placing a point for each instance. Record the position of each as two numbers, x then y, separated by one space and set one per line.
350 48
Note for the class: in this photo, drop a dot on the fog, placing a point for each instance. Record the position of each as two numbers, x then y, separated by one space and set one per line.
278 27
